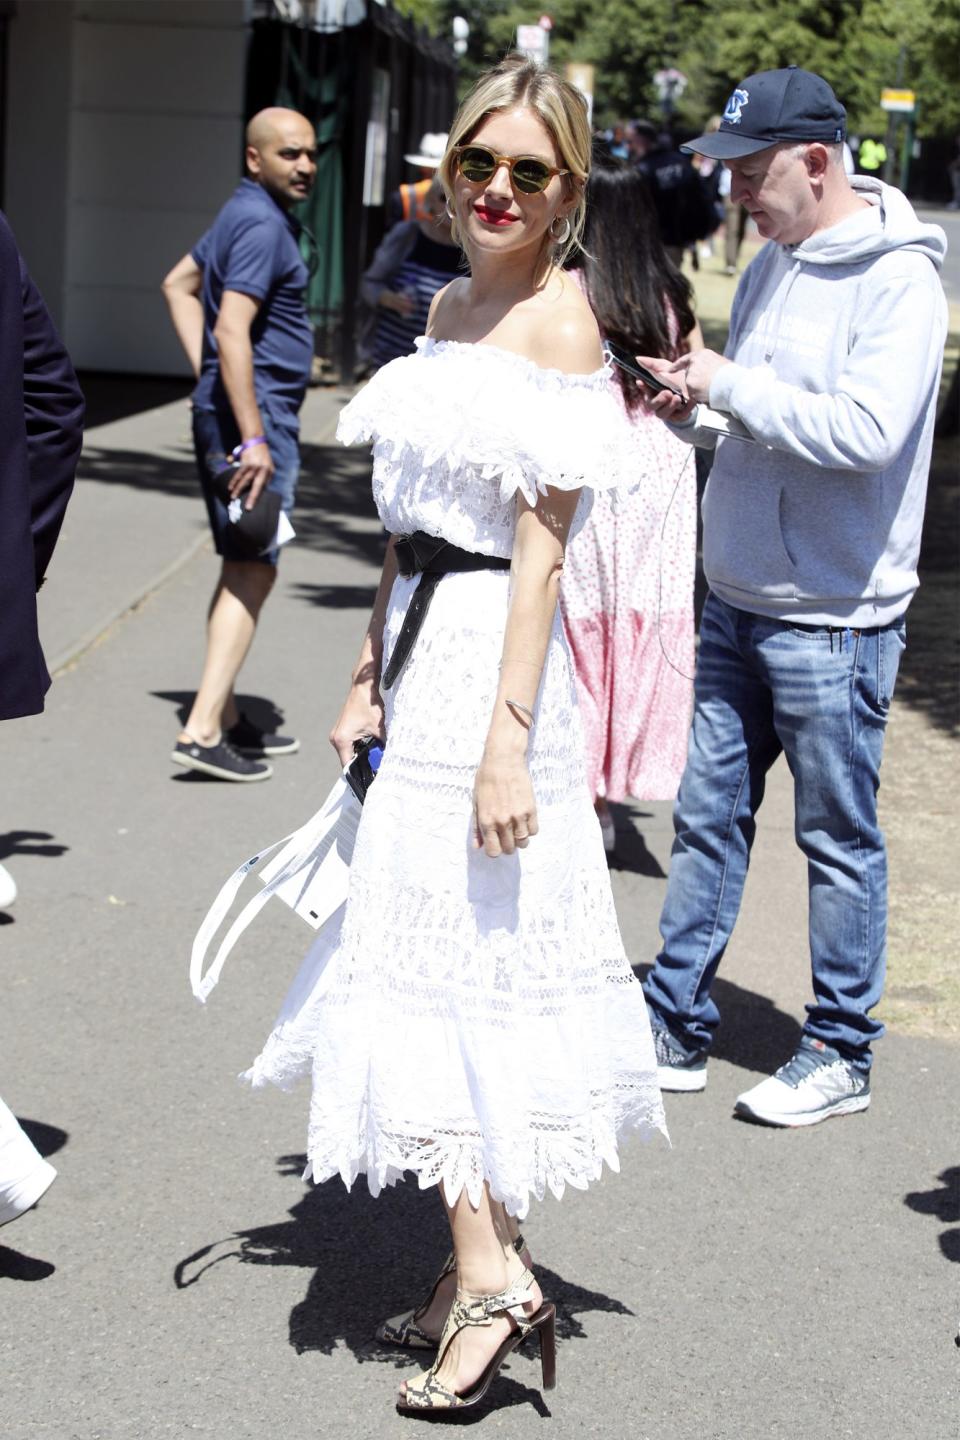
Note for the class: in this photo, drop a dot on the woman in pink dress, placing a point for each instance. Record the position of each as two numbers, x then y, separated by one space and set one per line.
627 591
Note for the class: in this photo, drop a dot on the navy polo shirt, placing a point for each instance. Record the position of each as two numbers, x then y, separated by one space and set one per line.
252 247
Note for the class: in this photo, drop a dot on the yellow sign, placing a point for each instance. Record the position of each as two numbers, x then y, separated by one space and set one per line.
582 76
902 100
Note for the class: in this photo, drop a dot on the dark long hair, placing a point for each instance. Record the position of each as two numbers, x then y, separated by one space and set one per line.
633 287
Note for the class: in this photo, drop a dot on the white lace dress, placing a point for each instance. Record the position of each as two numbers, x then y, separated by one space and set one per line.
465 1018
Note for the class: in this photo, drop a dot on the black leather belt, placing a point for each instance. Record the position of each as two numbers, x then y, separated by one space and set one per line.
424 555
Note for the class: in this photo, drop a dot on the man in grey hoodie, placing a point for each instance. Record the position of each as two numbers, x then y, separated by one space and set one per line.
811 539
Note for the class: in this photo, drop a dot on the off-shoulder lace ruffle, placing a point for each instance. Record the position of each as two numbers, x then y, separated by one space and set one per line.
493 414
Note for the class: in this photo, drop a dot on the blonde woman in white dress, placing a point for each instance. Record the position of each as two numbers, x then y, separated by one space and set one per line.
473 1019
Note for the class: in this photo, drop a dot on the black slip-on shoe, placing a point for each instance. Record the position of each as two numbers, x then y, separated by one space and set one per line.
221 761
249 739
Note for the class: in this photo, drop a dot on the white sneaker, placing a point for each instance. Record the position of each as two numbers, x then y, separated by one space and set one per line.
815 1084
24 1174
24 1192
8 888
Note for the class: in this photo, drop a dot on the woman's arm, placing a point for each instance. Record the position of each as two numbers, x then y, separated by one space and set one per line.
362 712
504 804
506 812
393 249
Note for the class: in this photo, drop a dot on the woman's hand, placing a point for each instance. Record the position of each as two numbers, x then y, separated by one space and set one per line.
399 300
663 403
504 810
362 714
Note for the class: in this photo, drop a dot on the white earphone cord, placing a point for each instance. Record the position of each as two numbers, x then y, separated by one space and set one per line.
666 514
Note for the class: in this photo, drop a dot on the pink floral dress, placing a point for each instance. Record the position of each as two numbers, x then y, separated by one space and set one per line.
627 605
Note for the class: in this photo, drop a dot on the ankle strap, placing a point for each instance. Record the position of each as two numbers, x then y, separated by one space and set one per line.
480 1309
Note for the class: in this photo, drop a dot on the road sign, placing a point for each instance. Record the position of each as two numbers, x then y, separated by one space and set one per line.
903 102
534 42
670 83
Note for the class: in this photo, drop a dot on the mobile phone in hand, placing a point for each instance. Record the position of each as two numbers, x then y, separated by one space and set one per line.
362 770
628 362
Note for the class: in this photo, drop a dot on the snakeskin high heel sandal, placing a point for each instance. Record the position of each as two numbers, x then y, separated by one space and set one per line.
404 1330
434 1401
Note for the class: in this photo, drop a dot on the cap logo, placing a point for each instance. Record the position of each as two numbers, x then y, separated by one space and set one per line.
734 111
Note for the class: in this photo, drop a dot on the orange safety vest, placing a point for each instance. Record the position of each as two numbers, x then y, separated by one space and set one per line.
412 198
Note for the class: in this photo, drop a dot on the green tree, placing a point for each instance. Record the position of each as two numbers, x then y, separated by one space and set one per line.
421 12
855 44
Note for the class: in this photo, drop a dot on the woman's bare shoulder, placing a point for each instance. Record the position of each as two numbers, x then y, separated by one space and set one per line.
564 334
444 307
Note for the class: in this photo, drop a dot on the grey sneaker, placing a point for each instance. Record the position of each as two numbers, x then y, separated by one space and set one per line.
815 1084
678 1068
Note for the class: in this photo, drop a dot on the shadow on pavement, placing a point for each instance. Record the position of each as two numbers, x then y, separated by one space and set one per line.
143 469
752 1033
334 510
14 1265
929 678
258 709
944 1204
630 852
29 842
112 396
396 1244
337 597
48 1139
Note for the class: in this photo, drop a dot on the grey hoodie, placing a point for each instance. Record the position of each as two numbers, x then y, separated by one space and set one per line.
837 346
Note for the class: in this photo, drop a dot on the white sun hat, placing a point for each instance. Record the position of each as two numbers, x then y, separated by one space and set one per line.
431 152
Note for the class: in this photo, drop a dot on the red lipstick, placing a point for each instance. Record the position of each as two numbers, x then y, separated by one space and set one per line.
494 217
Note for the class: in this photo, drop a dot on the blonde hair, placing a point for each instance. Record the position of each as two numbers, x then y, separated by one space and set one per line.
518 83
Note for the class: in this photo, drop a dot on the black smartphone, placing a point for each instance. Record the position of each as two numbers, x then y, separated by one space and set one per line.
628 362
362 770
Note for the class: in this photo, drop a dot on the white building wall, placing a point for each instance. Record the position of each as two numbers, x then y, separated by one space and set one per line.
36 165
150 119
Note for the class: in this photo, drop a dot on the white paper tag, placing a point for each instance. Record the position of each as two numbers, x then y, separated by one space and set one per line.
722 423
285 531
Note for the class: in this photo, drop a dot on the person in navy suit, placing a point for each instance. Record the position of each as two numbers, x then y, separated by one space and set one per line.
41 430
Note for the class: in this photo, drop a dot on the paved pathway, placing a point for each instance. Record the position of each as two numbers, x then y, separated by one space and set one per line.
180 1280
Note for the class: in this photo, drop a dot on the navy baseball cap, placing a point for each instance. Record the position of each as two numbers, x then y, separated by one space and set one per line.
773 106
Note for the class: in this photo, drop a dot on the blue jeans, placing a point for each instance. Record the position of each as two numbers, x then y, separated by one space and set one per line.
215 434
821 696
